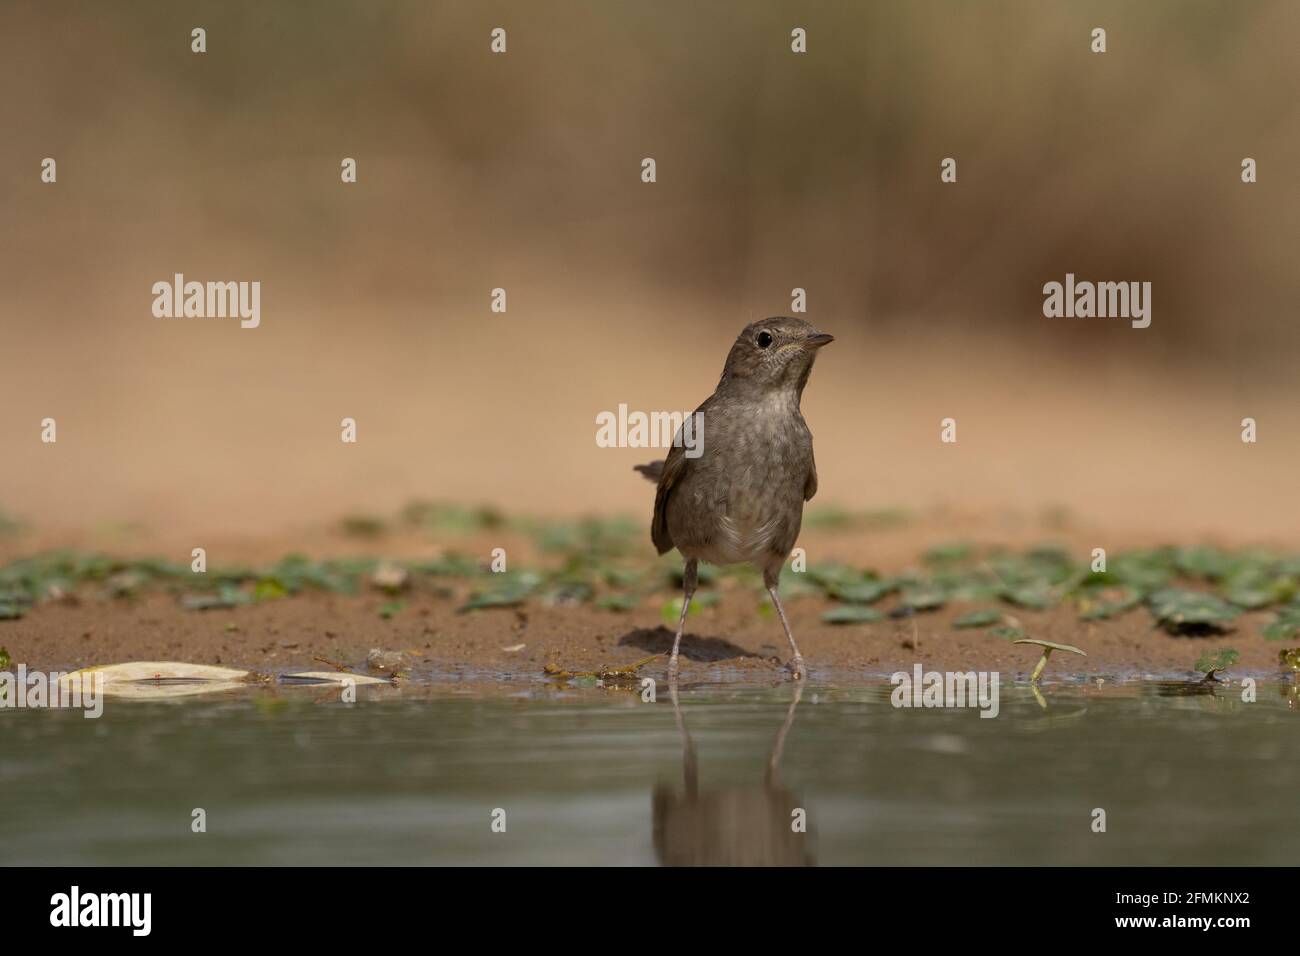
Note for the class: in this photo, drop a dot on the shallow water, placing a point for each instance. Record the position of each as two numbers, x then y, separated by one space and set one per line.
294 776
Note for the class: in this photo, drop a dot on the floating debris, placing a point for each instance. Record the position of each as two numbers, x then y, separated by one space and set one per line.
150 680
604 674
156 680
333 677
381 660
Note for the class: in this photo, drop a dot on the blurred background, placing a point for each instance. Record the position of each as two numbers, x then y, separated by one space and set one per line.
522 171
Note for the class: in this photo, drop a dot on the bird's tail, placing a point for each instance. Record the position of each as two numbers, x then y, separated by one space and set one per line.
651 471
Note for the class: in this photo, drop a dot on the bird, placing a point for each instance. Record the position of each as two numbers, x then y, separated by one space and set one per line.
739 496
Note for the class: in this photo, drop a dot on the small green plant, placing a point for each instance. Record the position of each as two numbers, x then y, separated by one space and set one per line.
1211 662
5 661
1048 647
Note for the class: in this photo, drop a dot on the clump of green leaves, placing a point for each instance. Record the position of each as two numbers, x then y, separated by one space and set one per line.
1191 612
5 660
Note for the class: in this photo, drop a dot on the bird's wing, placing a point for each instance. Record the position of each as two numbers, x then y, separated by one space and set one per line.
810 484
673 470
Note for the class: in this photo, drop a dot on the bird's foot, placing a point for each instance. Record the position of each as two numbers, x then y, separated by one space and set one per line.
796 668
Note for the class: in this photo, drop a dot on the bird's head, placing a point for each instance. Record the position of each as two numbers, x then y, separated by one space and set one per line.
773 355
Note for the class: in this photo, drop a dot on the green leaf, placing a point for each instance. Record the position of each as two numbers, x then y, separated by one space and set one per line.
1281 630
227 596
828 576
1036 597
1143 571
1009 633
1104 610
860 592
1255 587
509 590
386 611
1200 562
923 597
852 614
978 618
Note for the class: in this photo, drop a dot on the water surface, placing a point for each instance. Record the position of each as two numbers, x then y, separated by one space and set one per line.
595 776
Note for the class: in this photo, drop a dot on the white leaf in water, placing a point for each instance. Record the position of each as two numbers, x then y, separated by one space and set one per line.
157 679
335 677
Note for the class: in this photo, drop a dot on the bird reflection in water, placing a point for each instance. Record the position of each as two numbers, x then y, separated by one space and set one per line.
743 825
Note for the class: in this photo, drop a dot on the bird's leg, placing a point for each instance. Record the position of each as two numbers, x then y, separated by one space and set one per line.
689 578
796 663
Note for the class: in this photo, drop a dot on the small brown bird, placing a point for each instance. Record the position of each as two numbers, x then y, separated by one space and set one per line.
741 499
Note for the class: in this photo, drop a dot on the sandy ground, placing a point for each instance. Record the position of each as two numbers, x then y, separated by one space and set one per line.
729 641
724 642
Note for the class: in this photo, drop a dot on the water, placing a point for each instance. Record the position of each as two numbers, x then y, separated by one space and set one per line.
592 776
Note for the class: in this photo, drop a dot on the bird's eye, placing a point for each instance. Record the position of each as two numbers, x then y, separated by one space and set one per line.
764 339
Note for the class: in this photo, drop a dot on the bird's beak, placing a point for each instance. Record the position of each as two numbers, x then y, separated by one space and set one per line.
818 339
